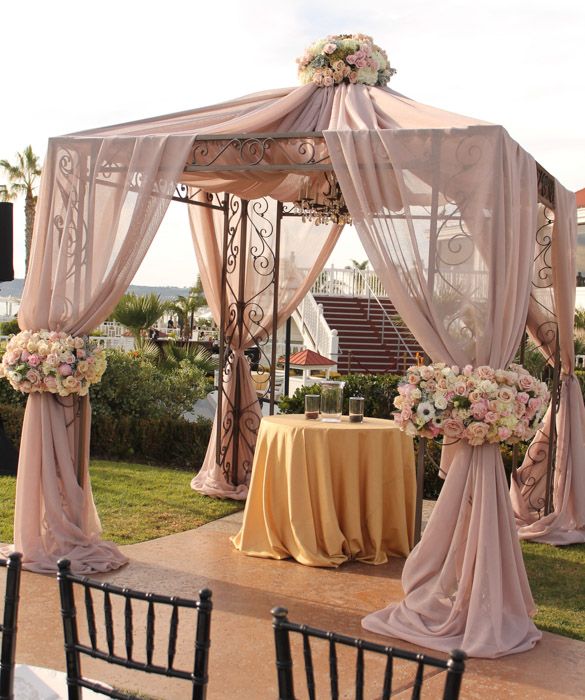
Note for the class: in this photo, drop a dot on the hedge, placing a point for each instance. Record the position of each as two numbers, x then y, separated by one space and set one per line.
165 441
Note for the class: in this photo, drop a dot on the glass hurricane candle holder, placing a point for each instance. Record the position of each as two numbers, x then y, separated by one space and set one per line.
312 404
331 401
356 409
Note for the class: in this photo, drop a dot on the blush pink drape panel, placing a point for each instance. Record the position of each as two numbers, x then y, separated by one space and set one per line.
447 218
100 205
304 249
566 523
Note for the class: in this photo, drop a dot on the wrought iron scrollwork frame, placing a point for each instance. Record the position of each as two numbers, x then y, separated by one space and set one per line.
546 338
265 153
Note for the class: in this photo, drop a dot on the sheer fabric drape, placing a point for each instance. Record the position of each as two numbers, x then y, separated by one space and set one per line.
304 249
446 218
554 306
100 204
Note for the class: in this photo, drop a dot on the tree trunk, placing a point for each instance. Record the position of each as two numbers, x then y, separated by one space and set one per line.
29 214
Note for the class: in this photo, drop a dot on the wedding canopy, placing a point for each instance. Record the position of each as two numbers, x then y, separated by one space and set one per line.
446 207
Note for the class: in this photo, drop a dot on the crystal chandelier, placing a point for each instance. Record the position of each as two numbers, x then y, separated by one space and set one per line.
328 207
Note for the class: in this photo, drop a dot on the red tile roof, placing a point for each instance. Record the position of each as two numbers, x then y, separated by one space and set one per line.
309 358
581 198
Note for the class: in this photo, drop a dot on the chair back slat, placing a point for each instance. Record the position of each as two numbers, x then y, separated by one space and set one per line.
359 674
109 622
454 667
387 689
150 618
128 628
173 633
310 676
90 614
333 673
8 624
114 598
418 679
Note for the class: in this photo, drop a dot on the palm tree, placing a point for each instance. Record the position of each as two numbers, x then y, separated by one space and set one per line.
138 313
22 179
186 306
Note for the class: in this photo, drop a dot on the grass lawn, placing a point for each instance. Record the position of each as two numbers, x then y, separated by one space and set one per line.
557 580
136 502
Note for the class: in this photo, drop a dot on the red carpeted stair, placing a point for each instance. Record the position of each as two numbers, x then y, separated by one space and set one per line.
367 341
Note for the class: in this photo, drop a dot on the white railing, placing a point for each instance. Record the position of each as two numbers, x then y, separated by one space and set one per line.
348 281
9 307
120 342
317 335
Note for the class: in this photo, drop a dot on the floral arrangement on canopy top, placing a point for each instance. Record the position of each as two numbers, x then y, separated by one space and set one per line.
478 405
51 361
345 58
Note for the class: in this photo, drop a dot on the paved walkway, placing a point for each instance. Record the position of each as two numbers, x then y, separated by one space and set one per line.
244 591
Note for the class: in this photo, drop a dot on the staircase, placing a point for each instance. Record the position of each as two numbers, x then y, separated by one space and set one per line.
368 340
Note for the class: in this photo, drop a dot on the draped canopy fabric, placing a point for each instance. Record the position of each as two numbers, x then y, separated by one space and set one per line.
445 206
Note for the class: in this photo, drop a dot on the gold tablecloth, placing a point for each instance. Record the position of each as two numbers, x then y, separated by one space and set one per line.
324 493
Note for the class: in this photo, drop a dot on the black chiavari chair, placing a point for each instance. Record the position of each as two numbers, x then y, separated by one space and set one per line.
454 666
129 658
8 626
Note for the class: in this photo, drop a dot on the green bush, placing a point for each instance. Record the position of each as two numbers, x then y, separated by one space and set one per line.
136 387
136 412
12 417
378 391
9 327
166 441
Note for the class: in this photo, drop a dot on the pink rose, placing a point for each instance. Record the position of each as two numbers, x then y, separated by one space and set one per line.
485 372
525 382
351 59
51 383
519 410
406 414
25 355
413 378
328 81
33 376
476 433
460 388
479 409
65 370
490 417
453 428
468 370
535 404
523 397
329 48
353 76
426 373
34 361
505 394
504 433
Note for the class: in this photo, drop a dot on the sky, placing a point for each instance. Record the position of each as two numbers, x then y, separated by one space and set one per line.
69 65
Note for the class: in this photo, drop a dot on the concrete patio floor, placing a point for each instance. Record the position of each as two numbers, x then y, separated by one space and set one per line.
244 591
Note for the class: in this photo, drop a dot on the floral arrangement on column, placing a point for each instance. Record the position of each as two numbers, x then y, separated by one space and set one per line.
52 361
345 58
480 405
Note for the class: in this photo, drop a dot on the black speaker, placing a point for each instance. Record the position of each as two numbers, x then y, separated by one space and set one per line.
6 237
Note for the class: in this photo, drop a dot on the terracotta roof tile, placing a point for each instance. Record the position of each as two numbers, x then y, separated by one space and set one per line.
310 358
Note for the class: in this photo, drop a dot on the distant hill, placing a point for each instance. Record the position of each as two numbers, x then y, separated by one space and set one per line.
14 289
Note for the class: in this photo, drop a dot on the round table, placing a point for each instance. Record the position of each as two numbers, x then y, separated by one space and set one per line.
324 493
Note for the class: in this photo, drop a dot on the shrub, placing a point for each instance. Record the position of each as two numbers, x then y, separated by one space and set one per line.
9 327
136 387
378 391
166 441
